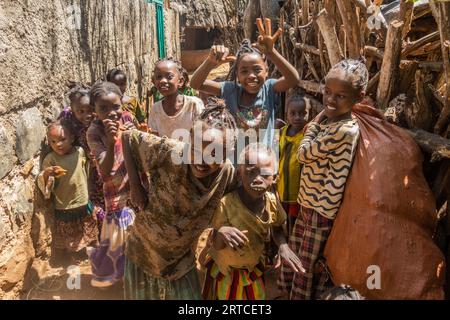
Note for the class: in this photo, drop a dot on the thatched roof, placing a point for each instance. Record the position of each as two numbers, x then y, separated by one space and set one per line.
201 13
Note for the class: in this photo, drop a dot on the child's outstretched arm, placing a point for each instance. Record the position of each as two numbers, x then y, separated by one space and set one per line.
218 55
137 193
284 252
266 44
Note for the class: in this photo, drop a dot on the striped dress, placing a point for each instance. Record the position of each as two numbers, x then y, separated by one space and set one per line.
326 154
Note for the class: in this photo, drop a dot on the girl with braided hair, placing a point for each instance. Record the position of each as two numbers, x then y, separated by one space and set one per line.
177 203
175 110
326 154
250 96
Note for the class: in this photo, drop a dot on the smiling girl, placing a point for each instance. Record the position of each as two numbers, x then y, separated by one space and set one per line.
251 97
175 110
176 207
326 154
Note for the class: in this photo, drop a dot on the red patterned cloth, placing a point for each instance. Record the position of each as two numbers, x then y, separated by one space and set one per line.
292 209
239 284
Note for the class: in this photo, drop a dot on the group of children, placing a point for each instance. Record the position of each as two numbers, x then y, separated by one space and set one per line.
107 169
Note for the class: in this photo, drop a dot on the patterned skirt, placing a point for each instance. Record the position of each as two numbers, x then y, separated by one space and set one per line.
75 229
142 286
239 284
291 208
308 239
108 259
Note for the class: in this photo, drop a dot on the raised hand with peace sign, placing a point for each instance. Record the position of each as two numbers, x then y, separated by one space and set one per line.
266 41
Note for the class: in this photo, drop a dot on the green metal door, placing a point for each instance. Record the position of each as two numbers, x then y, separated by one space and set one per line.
159 5
160 29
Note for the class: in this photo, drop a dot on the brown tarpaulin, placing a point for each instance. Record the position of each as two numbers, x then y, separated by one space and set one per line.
387 218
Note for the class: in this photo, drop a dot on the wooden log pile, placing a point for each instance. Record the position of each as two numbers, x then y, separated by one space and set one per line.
407 51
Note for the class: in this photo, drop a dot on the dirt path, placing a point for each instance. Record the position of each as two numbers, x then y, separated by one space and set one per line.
56 284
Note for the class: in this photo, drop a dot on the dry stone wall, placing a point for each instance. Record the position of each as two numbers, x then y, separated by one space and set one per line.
43 44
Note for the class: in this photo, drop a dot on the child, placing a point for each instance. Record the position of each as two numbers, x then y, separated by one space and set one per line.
103 137
177 207
64 180
175 111
326 154
79 115
288 180
185 89
251 97
130 104
235 270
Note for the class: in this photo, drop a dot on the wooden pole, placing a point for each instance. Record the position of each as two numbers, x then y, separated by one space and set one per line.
431 143
329 36
441 12
390 67
406 14
352 27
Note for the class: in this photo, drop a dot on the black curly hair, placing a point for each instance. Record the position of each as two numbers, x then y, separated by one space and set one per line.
103 88
244 49
65 124
77 90
111 74
180 68
216 115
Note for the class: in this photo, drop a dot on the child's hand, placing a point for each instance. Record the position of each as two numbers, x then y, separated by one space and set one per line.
285 253
266 41
112 130
54 171
138 197
233 237
48 172
219 55
143 127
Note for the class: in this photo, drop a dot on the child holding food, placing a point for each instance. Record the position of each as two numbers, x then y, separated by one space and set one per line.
63 179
